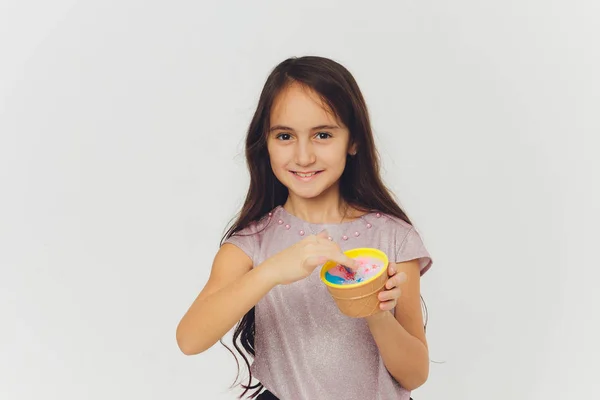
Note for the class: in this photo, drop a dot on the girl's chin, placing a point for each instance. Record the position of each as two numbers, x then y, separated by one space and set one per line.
308 193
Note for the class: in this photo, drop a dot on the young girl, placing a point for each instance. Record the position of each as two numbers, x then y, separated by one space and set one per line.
315 191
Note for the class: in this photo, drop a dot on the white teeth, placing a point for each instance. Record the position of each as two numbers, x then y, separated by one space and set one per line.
305 175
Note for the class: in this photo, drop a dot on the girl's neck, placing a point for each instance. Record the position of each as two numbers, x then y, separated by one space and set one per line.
319 210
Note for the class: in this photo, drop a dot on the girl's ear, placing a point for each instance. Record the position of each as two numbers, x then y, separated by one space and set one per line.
352 150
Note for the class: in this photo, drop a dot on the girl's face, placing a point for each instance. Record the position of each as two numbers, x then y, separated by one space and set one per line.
307 145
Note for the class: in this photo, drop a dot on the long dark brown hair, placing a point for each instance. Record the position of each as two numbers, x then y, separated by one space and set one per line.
361 186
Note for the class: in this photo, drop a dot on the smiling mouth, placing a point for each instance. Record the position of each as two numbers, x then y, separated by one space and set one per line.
307 174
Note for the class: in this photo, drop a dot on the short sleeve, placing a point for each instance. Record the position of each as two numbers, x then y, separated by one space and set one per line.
412 248
245 239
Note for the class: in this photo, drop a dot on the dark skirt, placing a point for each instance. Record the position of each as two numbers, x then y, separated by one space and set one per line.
266 395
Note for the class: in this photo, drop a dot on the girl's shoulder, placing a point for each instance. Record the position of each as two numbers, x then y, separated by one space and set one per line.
250 237
408 242
397 224
255 227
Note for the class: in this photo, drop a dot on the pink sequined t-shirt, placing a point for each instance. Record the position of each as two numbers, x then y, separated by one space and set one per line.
305 347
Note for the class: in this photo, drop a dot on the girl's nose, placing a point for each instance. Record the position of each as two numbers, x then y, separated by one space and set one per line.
305 154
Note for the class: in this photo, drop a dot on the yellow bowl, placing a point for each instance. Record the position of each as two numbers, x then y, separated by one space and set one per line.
355 253
358 300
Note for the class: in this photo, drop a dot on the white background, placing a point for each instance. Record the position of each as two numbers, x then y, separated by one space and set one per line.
121 163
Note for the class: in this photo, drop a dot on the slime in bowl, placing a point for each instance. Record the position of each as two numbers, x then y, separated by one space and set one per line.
368 267
356 292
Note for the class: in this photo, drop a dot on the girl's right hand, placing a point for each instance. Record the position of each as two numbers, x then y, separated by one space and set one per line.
300 260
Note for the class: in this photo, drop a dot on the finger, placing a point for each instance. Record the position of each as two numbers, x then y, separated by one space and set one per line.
315 261
391 269
387 295
400 278
388 305
343 259
350 262
330 244
390 283
323 234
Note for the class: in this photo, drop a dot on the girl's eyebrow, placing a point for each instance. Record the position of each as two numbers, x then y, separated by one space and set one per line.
287 128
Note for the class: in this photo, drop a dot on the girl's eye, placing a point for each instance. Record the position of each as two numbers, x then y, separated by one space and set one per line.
287 136
323 135
284 136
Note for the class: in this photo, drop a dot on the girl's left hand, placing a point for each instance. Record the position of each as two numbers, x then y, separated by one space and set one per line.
391 293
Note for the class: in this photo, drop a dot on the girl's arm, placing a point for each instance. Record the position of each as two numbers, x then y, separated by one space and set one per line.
234 287
401 337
